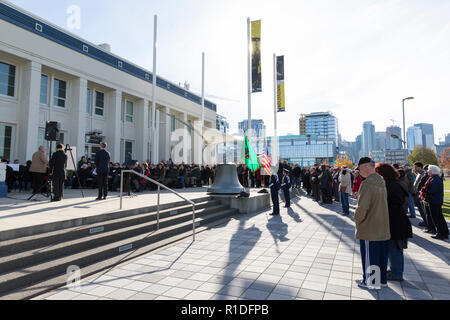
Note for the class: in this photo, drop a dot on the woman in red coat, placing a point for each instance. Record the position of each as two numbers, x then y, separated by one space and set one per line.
356 183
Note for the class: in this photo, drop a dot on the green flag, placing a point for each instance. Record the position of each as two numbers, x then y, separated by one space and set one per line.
249 156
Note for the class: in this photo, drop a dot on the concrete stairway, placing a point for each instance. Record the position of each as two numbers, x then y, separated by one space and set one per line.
33 265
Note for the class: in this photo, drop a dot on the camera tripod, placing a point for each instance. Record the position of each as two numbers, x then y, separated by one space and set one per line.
68 148
48 186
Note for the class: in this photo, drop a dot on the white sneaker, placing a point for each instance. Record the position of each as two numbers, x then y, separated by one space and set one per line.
361 284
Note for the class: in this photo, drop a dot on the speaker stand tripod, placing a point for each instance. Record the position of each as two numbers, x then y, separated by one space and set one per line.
68 148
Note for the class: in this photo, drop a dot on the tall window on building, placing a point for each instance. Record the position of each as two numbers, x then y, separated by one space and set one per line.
7 79
5 141
99 103
128 151
172 123
44 89
41 137
129 112
88 101
59 93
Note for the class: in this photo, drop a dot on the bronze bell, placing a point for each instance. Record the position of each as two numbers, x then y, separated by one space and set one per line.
226 180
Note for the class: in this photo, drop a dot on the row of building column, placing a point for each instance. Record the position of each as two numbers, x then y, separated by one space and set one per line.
28 121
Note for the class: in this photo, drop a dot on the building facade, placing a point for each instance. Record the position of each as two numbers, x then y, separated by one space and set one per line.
323 125
396 156
379 156
368 138
427 134
392 143
49 74
305 150
349 148
380 141
358 151
414 138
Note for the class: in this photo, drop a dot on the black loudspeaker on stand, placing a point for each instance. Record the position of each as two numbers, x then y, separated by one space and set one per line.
52 130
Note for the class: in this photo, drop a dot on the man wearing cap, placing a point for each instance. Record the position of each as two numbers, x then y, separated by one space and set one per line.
286 187
58 172
372 225
274 185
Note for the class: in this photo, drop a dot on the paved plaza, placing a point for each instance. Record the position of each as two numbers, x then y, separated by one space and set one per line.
310 252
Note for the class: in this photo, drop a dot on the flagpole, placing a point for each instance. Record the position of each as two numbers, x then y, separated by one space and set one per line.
249 60
203 104
154 159
249 69
275 135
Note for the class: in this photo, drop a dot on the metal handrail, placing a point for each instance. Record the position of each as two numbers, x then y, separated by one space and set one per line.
160 185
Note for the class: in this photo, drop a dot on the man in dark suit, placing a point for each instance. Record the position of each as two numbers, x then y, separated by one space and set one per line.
286 186
58 172
274 185
102 159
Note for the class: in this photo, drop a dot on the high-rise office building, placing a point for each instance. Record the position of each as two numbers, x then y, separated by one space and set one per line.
357 151
303 124
368 138
427 134
349 148
324 125
393 143
380 141
414 138
305 150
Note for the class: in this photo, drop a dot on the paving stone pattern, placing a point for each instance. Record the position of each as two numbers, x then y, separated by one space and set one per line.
310 252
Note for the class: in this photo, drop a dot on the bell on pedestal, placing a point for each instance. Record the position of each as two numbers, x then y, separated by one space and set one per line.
226 180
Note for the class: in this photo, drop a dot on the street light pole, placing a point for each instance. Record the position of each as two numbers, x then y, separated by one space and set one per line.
404 122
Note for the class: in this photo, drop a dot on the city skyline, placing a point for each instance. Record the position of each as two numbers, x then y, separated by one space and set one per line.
351 56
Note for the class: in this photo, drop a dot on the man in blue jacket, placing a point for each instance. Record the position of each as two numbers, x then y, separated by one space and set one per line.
286 186
274 186
102 159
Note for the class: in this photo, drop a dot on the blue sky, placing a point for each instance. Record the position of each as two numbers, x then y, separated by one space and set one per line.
356 58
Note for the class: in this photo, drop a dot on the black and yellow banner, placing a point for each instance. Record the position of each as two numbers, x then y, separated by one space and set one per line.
280 85
256 57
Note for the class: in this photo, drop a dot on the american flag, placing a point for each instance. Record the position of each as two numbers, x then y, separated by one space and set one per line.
267 162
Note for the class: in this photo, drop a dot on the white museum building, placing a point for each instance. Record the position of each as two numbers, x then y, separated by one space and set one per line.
49 74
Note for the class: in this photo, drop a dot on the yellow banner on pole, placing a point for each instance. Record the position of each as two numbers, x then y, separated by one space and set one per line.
281 105
256 57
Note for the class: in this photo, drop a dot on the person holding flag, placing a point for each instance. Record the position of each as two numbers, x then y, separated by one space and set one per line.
274 186
286 187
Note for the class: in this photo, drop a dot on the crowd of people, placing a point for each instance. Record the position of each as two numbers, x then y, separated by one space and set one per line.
387 195
175 176
35 174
